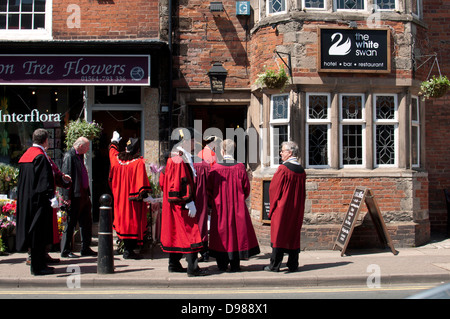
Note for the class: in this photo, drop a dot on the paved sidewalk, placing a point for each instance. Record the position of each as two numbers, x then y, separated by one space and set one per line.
426 264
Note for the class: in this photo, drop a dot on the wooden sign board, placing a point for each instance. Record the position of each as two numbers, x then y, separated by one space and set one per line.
265 200
359 196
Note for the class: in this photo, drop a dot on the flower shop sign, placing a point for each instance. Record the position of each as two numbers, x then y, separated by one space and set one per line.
75 69
354 50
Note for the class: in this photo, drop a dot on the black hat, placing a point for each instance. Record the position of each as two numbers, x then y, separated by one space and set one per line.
133 145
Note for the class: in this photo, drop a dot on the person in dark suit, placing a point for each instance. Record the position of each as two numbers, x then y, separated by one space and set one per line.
78 199
35 202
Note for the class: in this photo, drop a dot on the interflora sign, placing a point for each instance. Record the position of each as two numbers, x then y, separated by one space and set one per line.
47 69
354 50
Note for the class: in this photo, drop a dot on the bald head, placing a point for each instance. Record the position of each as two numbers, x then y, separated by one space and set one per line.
81 145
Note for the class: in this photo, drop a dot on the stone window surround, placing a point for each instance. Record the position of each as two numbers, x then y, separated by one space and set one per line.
298 128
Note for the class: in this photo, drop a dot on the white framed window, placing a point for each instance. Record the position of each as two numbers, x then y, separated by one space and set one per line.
385 142
416 8
350 4
318 128
385 5
415 131
279 125
276 6
314 4
352 130
25 19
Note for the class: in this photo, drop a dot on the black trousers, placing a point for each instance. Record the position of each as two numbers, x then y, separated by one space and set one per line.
191 258
80 212
277 258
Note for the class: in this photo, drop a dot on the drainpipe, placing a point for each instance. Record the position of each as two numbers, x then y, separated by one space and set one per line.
170 69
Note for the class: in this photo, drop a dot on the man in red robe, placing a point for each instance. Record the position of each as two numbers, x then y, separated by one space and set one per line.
202 169
287 206
232 236
35 202
180 233
131 188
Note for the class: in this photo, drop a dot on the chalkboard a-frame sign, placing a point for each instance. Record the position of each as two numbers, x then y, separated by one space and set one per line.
359 196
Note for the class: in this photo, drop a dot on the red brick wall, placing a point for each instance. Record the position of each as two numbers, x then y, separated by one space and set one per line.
107 19
203 38
403 203
437 113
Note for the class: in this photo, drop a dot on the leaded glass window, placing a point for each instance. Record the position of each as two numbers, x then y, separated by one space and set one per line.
386 4
279 125
386 124
318 129
350 4
276 6
415 132
352 129
314 4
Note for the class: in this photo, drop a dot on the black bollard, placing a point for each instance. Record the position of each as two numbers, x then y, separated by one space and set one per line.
105 259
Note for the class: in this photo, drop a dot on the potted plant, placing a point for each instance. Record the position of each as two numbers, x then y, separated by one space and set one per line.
273 79
435 87
78 128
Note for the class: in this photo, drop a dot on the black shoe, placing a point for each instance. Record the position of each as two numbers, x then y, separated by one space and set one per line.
177 269
198 272
68 254
88 252
267 268
131 255
50 260
43 272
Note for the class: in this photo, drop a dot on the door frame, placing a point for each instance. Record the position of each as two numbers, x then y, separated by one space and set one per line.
90 106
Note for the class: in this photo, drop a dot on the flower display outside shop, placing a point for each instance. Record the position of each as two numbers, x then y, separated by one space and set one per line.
7 225
8 178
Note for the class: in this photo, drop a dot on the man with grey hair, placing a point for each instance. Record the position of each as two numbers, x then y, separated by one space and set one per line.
287 205
78 197
232 236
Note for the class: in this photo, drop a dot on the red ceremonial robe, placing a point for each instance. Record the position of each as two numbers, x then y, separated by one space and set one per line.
201 197
287 206
231 229
130 185
179 232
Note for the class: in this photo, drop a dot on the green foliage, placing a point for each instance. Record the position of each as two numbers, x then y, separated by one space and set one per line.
8 178
273 79
79 128
435 87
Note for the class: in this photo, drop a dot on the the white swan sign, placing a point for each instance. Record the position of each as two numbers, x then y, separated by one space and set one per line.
354 50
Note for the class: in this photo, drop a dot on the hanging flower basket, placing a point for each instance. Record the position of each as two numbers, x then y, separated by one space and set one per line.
79 128
272 79
435 87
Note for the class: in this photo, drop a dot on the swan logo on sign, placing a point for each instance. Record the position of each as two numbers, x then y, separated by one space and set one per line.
340 47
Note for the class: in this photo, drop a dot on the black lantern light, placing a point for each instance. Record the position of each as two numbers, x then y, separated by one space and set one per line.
217 75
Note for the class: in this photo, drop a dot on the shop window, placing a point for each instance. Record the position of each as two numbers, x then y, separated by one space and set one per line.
350 4
415 132
276 6
352 128
386 124
314 4
318 124
385 4
279 125
25 18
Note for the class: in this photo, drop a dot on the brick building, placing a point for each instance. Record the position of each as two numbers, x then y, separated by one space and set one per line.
359 121
100 60
355 111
